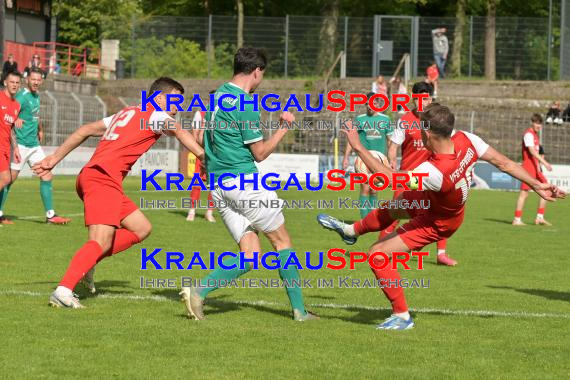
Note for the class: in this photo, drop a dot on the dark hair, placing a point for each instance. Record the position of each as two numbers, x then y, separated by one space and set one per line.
14 73
422 88
166 84
370 94
536 118
440 119
212 92
247 59
36 70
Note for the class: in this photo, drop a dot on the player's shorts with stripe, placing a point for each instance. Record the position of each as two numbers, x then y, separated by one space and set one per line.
28 156
104 200
425 228
4 160
243 210
534 172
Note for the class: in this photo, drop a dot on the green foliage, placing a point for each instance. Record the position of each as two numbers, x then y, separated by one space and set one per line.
169 56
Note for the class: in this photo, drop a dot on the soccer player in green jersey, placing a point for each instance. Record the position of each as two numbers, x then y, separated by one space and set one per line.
373 130
29 134
233 143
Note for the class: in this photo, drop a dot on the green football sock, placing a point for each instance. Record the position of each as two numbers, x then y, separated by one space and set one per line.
4 196
372 199
291 274
363 211
46 194
221 274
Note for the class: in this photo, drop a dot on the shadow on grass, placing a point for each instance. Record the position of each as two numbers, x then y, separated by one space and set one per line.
545 293
501 221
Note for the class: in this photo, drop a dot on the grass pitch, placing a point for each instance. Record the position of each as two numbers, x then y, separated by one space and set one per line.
503 312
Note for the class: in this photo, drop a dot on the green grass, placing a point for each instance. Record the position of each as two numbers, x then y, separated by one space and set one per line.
502 269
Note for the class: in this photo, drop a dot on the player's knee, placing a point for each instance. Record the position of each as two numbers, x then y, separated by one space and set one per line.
144 231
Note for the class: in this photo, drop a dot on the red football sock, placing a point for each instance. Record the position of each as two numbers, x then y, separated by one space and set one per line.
210 203
518 213
540 211
390 229
195 196
442 244
377 220
124 239
391 288
85 259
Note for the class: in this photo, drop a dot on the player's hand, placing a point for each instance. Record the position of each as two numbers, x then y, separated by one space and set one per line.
549 192
17 157
548 167
19 123
394 165
287 117
344 163
44 166
351 134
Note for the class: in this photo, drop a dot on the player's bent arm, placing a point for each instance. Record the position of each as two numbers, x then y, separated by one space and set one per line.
97 128
186 139
263 148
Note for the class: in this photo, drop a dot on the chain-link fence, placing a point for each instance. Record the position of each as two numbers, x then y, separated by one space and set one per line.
306 46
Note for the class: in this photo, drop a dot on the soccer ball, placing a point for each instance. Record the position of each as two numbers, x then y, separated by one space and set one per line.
360 166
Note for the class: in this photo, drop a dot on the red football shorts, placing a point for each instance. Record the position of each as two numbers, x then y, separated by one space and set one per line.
4 161
425 228
534 172
104 201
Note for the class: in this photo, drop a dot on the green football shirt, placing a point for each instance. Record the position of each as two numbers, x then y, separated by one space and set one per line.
229 133
30 114
373 131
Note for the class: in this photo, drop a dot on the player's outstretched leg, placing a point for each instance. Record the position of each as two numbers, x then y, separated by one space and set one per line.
282 244
389 280
100 239
346 231
46 193
193 297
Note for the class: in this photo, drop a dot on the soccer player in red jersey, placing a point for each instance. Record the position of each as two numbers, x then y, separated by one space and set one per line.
9 110
114 221
408 135
449 171
198 133
531 163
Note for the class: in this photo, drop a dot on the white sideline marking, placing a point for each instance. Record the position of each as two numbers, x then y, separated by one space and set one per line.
468 313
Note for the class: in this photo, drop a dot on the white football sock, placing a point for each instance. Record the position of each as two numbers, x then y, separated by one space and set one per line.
63 290
405 315
349 230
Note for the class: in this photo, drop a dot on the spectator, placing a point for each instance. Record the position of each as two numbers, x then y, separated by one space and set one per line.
35 63
440 48
566 114
77 70
397 87
380 86
554 114
10 66
432 73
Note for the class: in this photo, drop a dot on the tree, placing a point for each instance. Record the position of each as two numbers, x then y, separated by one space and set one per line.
240 23
458 38
490 31
327 35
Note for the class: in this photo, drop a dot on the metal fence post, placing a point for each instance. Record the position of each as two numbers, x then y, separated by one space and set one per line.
562 33
102 105
549 39
209 46
415 38
74 96
286 43
133 50
470 45
375 43
471 121
345 37
54 118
